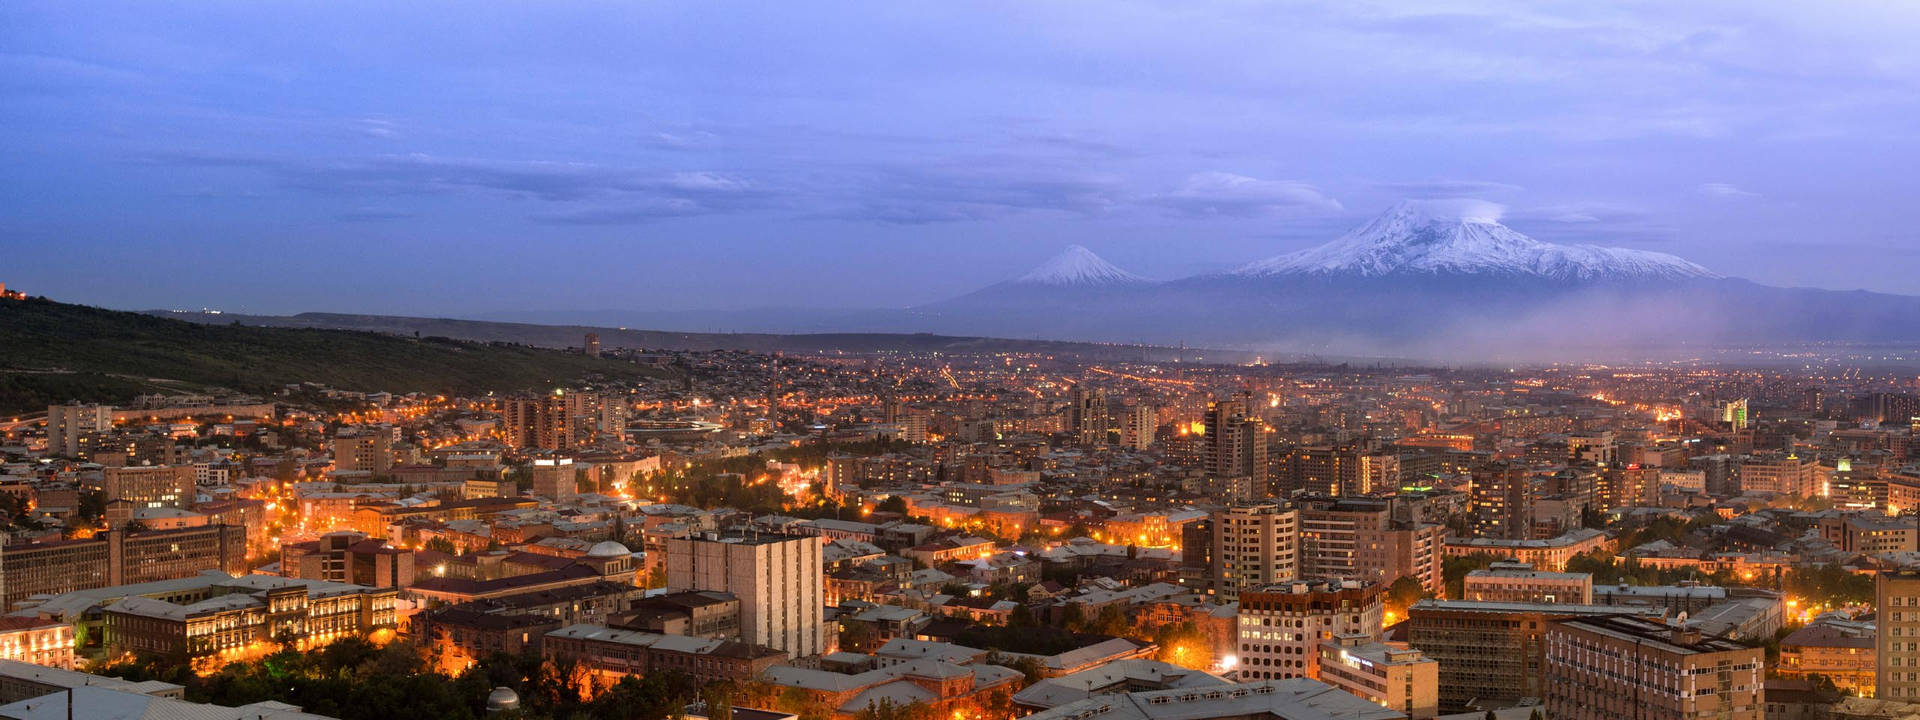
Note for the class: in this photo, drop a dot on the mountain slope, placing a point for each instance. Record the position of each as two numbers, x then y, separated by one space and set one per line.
54 352
1466 237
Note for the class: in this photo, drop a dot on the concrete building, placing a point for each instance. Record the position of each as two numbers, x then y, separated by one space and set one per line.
1361 539
1252 545
1502 498
1402 679
1281 626
1519 582
149 486
1492 653
66 424
1896 596
777 578
348 557
118 557
1606 668
364 450
538 421
1236 443
1296 699
553 479
613 654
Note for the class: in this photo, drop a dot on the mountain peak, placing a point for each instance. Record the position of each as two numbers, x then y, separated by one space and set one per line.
1077 265
1465 237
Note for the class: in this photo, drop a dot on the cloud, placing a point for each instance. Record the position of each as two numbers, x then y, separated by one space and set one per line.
1210 194
599 194
955 193
1725 190
1447 188
1581 213
372 214
373 127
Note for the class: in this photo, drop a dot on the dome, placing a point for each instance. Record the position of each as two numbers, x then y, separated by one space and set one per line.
608 549
503 698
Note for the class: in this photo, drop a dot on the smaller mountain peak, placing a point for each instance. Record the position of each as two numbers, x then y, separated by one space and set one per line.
1076 265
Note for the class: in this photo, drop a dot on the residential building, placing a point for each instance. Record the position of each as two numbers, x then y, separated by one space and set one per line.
777 578
67 424
1252 545
1897 636
1606 668
1281 626
1492 653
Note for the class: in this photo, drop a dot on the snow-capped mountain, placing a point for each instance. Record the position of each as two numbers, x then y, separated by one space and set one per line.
1079 267
1465 237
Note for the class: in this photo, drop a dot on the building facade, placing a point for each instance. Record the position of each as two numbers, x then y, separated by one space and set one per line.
1606 668
778 579
1282 626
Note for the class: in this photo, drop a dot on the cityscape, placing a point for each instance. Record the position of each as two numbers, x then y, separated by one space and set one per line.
576 361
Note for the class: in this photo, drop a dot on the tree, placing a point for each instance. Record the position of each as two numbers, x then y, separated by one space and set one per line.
1403 593
893 504
441 545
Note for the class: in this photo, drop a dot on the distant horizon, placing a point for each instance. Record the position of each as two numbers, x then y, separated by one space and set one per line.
677 156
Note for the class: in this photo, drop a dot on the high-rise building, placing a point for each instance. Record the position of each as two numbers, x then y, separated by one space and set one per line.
1338 470
539 421
1502 501
1236 444
364 450
1137 426
1253 545
1896 639
1734 414
1362 539
1606 668
592 346
1281 626
553 479
1089 415
66 424
779 580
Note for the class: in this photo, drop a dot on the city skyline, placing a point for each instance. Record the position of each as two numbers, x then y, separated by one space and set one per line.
675 157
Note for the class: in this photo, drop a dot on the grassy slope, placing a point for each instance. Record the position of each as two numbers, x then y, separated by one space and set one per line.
112 355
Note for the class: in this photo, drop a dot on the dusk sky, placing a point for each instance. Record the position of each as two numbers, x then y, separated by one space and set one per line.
468 158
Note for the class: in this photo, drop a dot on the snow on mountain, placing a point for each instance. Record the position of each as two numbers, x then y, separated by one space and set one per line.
1079 267
1466 237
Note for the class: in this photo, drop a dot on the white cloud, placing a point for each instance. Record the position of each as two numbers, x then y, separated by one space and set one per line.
1227 194
1726 190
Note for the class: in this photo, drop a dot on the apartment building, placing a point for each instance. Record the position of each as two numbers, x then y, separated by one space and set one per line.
1611 667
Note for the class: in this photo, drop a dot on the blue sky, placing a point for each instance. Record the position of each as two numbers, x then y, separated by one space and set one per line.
467 158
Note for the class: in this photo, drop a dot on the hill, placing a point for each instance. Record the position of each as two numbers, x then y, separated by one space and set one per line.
54 352
560 336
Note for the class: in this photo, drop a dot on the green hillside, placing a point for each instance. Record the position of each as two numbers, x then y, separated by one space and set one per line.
53 352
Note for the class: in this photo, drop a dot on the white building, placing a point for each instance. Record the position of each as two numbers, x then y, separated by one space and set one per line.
778 578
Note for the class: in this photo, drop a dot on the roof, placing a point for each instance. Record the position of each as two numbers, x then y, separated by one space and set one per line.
1295 699
1120 675
98 703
